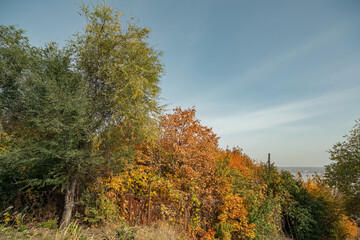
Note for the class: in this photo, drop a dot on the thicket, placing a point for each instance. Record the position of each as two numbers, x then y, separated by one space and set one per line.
344 172
83 124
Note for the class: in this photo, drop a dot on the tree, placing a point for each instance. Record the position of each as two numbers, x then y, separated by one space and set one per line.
187 149
80 108
14 62
344 173
52 127
121 71
187 153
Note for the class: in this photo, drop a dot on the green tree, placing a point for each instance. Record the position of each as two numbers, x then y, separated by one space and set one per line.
121 69
48 143
80 111
122 73
344 172
14 62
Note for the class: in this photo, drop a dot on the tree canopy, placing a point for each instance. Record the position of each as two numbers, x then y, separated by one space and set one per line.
68 111
344 172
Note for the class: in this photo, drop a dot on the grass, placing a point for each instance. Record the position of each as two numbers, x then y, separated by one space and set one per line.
75 231
160 231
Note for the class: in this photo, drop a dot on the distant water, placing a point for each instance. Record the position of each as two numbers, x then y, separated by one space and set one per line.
306 172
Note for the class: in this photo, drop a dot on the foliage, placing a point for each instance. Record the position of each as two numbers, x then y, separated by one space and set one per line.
312 210
329 214
70 111
54 126
233 219
22 228
86 119
346 228
344 172
98 208
50 224
122 73
15 60
297 216
124 233
187 153
264 199
186 148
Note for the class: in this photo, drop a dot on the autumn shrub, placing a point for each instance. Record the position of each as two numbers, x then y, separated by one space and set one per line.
313 210
186 154
50 224
101 199
346 228
264 202
251 181
306 216
344 172
330 216
210 193
234 223
97 206
123 232
297 219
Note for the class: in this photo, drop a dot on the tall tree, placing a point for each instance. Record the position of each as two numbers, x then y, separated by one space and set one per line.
344 172
187 149
121 69
188 152
122 73
80 108
15 60
52 125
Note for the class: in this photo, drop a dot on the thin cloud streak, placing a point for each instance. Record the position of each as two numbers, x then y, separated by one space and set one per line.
281 115
277 61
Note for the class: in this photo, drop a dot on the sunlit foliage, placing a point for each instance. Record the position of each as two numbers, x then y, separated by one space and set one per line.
86 120
344 172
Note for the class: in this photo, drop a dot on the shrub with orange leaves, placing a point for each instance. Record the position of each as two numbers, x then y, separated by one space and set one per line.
332 220
233 220
346 228
187 153
186 148
243 163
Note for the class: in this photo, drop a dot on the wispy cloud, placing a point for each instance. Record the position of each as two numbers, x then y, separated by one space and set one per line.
279 59
296 51
282 114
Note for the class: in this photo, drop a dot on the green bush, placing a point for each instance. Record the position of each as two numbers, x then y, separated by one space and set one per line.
50 224
97 207
125 233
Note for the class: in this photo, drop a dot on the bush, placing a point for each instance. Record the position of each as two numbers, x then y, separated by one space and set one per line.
50 224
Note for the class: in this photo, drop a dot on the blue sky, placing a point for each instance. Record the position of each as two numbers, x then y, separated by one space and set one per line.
269 76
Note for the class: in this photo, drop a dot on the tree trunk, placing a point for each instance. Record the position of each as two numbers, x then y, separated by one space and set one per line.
69 203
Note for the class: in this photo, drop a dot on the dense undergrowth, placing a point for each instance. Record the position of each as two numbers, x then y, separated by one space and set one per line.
207 192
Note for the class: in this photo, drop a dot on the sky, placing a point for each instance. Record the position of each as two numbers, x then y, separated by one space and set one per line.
279 77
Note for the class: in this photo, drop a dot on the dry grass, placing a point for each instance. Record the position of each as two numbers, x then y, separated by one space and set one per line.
74 231
159 231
